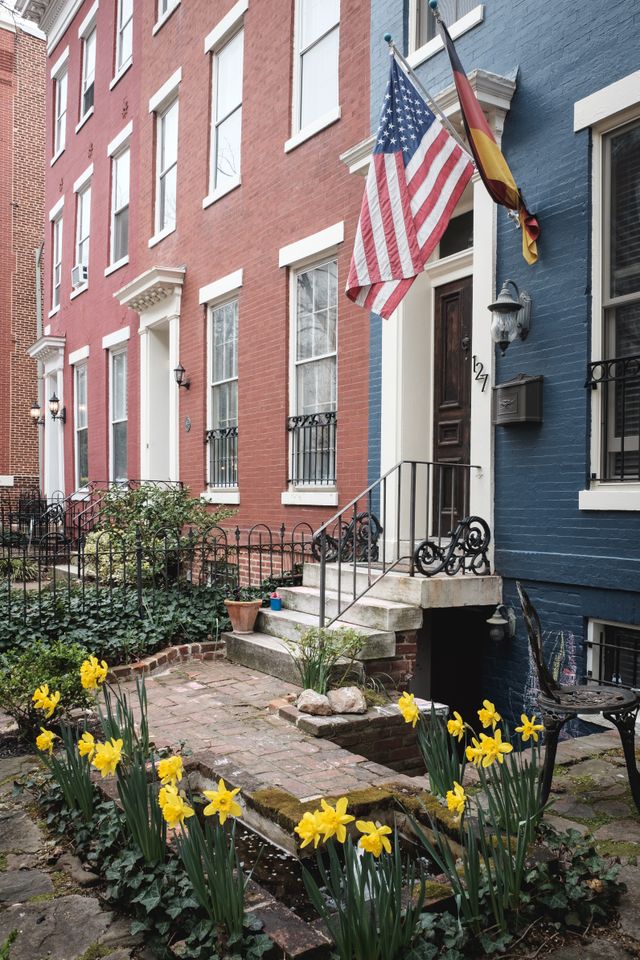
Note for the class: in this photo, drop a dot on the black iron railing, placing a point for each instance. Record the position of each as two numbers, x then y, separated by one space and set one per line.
313 449
619 382
615 656
415 518
222 445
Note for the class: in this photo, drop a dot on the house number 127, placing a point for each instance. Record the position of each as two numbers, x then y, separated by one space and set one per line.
480 375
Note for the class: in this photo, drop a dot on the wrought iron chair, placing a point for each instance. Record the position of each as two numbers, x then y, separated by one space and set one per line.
559 703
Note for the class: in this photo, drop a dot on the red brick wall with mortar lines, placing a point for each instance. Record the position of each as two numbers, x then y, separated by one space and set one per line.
283 198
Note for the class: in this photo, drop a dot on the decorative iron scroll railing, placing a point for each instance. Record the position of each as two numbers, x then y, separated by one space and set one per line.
313 449
618 379
222 445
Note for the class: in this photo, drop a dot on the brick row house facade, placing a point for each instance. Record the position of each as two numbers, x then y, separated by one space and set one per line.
22 72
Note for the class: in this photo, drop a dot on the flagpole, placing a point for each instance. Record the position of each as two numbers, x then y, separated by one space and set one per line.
423 90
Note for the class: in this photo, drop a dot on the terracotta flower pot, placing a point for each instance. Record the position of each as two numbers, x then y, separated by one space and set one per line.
243 614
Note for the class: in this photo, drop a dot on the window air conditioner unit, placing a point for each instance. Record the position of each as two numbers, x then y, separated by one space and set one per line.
79 275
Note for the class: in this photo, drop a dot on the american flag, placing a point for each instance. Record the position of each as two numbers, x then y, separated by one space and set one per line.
415 180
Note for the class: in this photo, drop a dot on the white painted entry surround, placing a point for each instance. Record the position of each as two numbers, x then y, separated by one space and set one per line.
407 336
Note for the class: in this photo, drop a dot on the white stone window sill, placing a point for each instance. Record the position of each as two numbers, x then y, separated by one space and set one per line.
618 496
80 494
120 74
53 312
160 236
6 480
116 266
218 194
56 156
222 495
310 497
76 293
163 19
84 119
312 129
428 50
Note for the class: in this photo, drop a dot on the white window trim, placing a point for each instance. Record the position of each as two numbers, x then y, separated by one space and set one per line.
78 290
77 356
123 146
116 266
604 110
592 626
228 296
81 184
160 22
311 129
83 37
223 30
225 495
221 192
127 63
56 78
300 134
120 347
418 55
83 179
166 93
60 64
157 237
89 21
120 140
117 338
56 216
76 477
56 210
308 497
235 25
217 290
84 119
120 74
316 246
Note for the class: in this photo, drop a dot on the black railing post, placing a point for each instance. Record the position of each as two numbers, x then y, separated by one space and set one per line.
139 572
412 520
323 579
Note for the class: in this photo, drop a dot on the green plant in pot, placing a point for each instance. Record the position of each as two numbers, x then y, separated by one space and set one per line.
243 608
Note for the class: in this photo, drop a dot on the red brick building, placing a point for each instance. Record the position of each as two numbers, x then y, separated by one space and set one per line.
22 72
198 216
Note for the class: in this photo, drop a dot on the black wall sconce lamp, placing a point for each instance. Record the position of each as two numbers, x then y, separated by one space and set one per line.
57 412
180 378
503 623
510 317
36 415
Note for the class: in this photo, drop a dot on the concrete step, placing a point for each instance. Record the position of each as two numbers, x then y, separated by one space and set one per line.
439 592
374 612
286 623
267 654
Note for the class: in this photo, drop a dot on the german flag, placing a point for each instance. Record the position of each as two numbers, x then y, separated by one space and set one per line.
491 164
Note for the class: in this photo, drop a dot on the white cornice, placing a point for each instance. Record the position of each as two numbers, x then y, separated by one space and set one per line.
47 349
151 287
52 16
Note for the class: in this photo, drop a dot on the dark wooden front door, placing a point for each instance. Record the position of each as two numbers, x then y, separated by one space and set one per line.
451 403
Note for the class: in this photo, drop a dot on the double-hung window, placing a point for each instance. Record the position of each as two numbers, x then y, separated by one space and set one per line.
124 35
88 72
317 63
313 424
222 436
60 112
118 413
424 22
167 167
226 127
120 179
81 424
56 261
83 228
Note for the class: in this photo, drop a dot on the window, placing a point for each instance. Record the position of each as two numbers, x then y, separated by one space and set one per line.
164 6
227 114
425 23
56 262
119 415
616 377
318 32
60 113
124 37
83 226
81 427
120 173
167 168
222 438
88 72
613 654
313 425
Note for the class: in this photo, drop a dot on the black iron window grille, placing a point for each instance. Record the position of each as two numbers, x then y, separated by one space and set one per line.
615 655
222 445
619 381
313 449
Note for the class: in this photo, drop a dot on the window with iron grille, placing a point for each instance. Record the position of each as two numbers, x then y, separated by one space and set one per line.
88 72
425 22
81 422
120 175
614 654
222 436
313 424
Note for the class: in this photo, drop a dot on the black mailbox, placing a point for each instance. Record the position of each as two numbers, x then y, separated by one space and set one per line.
518 400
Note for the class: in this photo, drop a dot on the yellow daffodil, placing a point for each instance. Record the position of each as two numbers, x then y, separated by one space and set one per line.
170 770
175 808
493 748
488 714
93 674
107 756
456 799
455 726
222 802
409 708
87 745
333 820
375 837
475 753
529 728
45 701
44 740
165 794
309 829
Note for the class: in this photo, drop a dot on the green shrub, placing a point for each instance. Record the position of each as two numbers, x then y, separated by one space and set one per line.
18 569
57 664
317 654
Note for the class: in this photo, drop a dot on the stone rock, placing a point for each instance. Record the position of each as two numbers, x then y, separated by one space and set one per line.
18 834
61 929
347 700
561 824
629 906
118 934
314 703
617 809
74 868
596 950
16 886
22 861
625 831
569 807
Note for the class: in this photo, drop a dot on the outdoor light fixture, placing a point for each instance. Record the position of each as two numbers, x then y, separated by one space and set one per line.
510 318
57 412
36 414
503 623
179 375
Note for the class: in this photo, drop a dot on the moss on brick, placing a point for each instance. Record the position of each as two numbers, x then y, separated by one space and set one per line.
286 810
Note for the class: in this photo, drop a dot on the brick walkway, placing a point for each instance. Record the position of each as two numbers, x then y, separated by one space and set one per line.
222 707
